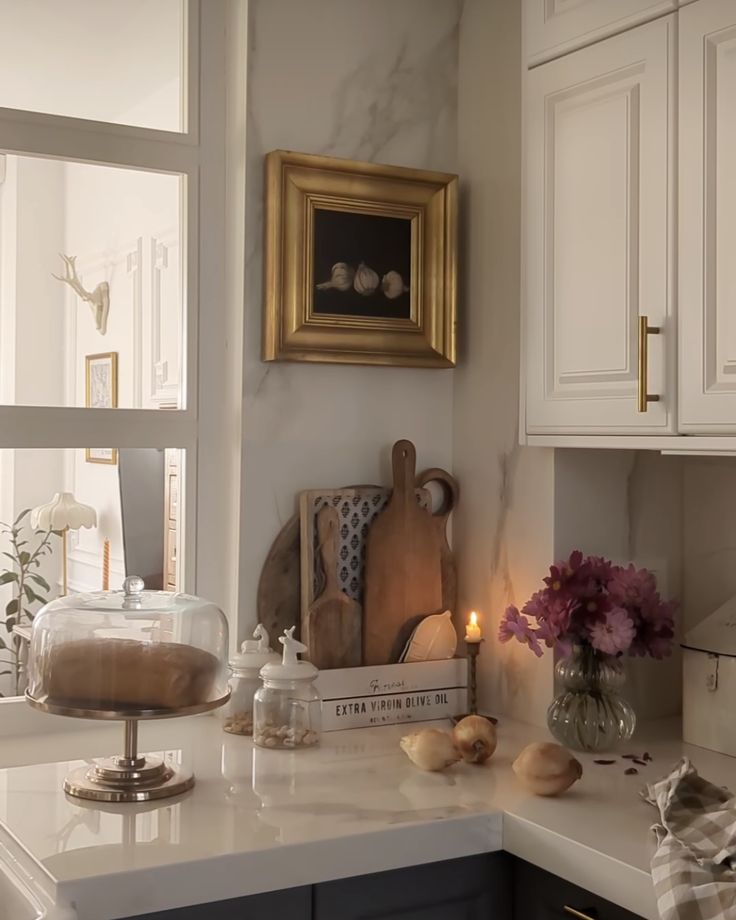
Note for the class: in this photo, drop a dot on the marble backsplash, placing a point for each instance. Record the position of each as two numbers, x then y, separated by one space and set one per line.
373 81
629 506
436 84
504 535
709 535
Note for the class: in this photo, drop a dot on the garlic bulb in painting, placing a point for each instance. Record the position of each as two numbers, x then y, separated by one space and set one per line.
430 749
366 280
546 768
341 280
392 285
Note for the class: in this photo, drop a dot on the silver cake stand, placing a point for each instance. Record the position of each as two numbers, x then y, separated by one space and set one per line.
130 777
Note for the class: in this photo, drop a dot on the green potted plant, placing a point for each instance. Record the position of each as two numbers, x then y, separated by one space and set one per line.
27 582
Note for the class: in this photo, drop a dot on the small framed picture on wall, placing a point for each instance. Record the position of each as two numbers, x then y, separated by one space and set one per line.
360 262
101 392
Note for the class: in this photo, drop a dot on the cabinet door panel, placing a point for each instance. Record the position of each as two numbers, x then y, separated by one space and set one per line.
707 300
554 27
292 904
538 895
599 235
474 888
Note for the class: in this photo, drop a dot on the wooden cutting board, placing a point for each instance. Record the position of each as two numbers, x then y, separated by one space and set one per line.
279 593
332 631
451 491
284 591
403 569
357 508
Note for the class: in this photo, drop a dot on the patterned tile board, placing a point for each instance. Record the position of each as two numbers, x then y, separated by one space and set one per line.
357 508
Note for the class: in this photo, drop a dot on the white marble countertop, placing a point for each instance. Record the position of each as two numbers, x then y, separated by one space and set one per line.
263 820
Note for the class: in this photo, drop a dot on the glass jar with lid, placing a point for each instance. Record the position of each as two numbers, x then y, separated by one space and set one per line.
287 709
237 713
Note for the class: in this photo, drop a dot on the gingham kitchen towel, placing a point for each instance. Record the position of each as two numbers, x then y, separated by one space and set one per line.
694 866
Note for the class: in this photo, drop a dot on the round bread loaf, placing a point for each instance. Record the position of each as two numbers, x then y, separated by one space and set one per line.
124 674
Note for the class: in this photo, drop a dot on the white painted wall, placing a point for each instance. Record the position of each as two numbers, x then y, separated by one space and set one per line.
372 81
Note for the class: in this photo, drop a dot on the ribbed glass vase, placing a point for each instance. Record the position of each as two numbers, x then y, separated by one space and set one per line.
590 714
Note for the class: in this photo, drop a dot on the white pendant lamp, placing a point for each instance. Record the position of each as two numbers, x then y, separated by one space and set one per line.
63 513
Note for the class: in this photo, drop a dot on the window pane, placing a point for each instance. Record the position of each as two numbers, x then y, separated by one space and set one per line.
135 497
109 60
109 334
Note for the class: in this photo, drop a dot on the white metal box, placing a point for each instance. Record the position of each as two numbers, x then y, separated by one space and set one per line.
709 682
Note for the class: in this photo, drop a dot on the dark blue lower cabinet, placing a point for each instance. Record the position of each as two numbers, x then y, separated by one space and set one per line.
495 886
291 904
539 895
473 888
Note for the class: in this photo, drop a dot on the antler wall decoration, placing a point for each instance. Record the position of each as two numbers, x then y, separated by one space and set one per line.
98 300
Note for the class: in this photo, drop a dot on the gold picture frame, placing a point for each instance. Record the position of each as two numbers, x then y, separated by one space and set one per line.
101 392
323 211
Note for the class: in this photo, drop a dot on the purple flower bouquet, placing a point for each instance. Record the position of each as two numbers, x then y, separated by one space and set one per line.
592 612
589 601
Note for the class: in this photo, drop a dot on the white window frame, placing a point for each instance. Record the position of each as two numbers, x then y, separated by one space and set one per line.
209 154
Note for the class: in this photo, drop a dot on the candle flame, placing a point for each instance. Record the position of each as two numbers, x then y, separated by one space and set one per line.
474 619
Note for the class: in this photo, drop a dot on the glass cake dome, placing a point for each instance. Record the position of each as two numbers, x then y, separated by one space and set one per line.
130 654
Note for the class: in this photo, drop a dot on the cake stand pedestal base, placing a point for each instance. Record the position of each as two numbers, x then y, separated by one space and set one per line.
130 778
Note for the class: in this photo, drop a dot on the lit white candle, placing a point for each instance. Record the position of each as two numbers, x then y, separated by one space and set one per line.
472 630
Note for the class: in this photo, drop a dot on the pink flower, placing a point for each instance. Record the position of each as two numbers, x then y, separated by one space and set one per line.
654 637
548 633
614 633
632 587
563 573
660 646
515 625
545 607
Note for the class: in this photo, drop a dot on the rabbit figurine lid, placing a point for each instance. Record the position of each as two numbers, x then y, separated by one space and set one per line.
254 653
290 667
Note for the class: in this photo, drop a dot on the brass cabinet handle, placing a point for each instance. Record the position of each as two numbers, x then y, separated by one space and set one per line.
645 330
577 913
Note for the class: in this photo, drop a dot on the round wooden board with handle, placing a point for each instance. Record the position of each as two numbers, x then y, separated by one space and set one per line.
279 587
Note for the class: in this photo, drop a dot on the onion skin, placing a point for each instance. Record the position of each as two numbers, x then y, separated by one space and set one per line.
475 739
545 768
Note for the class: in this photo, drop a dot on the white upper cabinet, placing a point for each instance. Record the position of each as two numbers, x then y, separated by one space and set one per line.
599 235
554 27
707 222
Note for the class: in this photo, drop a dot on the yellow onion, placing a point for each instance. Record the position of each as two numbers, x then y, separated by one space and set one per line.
546 768
475 739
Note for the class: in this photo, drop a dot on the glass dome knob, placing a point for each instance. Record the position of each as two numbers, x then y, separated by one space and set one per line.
133 585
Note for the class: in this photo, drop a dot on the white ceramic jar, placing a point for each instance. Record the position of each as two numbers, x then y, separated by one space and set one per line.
237 714
287 710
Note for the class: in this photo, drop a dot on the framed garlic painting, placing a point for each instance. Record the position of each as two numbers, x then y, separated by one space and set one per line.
360 262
